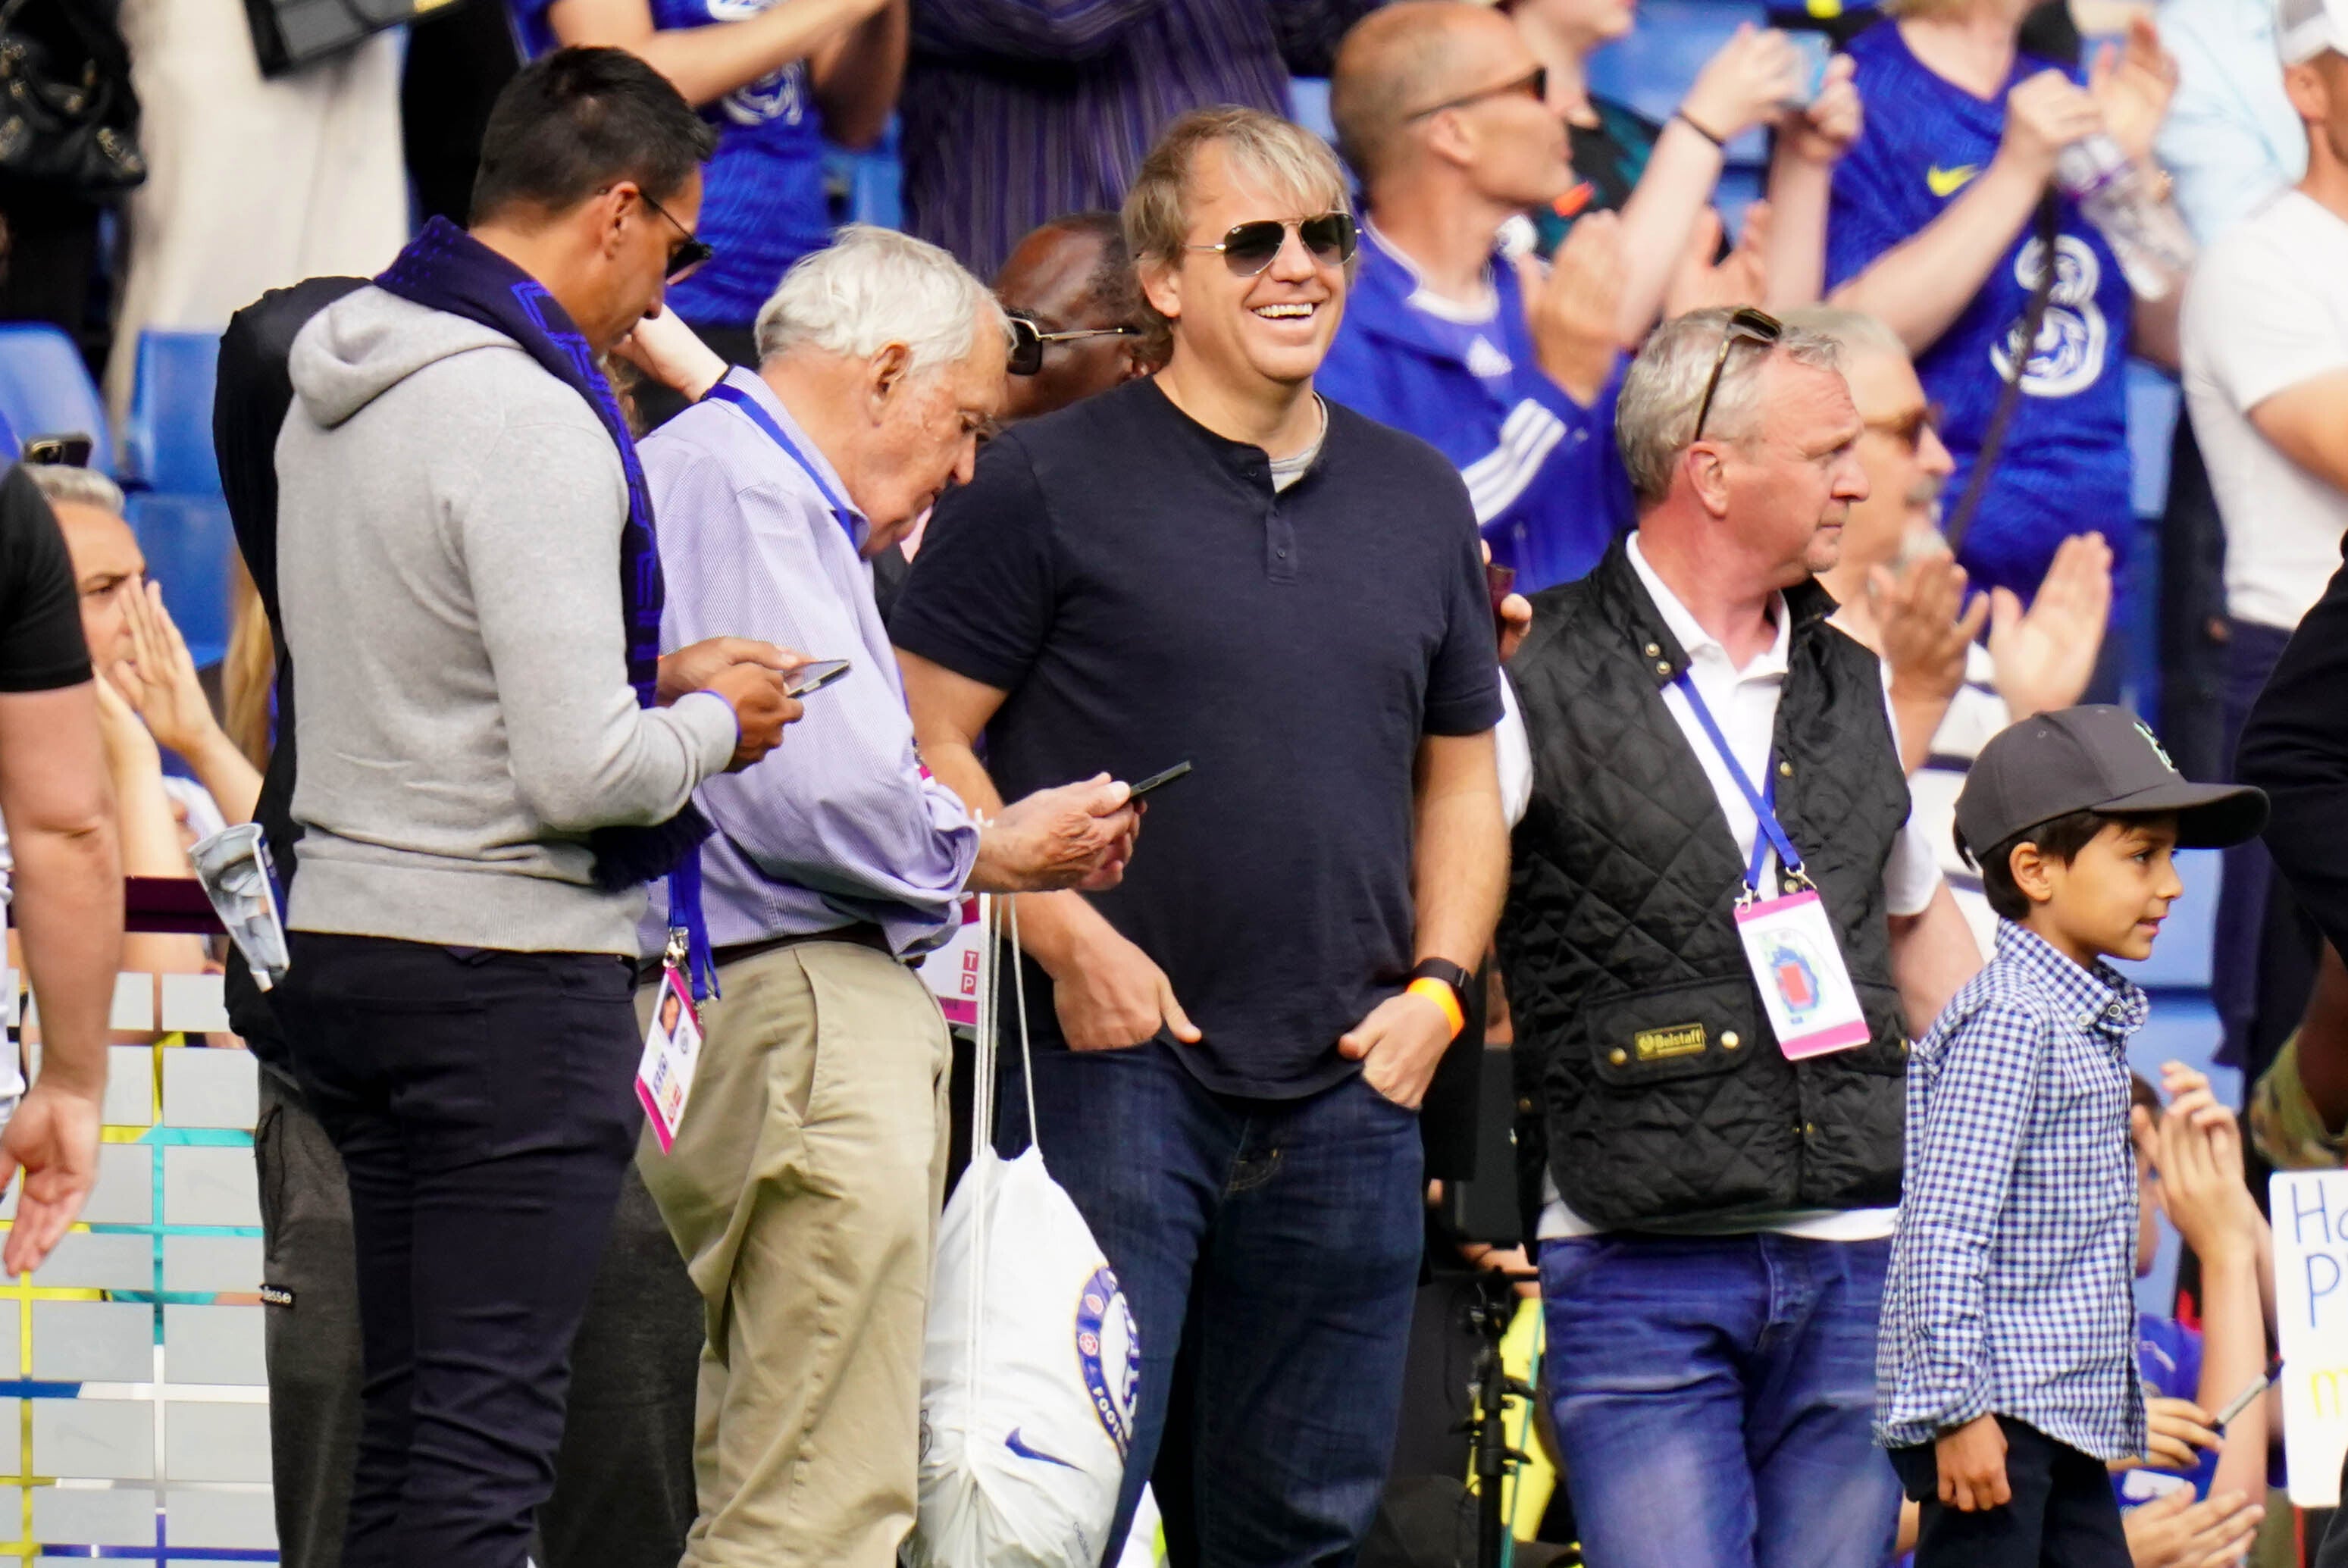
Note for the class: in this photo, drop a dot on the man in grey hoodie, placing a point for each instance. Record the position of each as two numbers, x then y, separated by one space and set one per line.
467 585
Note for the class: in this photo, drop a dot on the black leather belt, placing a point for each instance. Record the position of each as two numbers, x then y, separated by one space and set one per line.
862 934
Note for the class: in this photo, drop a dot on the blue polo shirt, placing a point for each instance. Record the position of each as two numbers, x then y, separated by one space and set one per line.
2065 466
1548 486
762 200
1146 597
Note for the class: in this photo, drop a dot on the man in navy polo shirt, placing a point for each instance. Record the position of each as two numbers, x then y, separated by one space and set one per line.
1213 565
1510 372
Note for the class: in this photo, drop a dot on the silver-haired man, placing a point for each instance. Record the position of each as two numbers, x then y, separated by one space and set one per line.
804 1180
1710 1066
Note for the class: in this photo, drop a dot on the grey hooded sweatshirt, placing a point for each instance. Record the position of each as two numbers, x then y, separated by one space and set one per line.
448 557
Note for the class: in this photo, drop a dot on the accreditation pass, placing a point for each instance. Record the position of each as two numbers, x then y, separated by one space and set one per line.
671 1052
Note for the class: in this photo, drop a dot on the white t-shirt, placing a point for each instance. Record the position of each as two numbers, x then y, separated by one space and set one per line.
2266 310
1974 714
1743 703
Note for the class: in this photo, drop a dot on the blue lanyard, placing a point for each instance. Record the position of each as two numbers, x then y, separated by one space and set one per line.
726 392
1763 801
684 882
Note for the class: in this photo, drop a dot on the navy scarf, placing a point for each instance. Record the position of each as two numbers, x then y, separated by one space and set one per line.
446 269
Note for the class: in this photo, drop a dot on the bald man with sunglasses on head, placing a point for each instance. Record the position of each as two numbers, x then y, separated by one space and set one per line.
1215 566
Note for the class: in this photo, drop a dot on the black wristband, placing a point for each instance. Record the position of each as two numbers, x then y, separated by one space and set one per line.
1686 120
1461 981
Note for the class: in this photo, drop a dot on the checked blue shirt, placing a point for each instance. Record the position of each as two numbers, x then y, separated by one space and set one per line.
2013 1274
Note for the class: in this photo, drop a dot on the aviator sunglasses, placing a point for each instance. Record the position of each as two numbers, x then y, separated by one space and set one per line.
686 256
1746 326
1028 339
1330 238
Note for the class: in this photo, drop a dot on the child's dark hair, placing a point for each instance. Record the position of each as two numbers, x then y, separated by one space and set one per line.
2061 838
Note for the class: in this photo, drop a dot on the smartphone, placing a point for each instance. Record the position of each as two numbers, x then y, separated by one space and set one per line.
1157 780
1815 50
815 676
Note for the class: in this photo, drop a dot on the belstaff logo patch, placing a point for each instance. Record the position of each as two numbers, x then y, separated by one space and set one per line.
1678 1040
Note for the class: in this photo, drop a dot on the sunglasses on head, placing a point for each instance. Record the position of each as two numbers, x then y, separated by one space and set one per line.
1534 83
1745 325
59 451
686 256
1249 248
1028 339
1908 428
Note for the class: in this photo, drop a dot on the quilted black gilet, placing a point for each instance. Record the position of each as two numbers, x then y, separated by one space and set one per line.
1649 1083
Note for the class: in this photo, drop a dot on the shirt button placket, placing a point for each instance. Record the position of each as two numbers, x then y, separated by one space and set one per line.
1279 545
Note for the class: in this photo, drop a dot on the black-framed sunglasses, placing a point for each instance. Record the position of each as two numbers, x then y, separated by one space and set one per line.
1330 238
690 252
1028 339
1745 325
1908 428
1534 83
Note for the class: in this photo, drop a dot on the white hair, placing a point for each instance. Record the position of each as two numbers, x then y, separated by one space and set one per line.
871 287
1656 415
1859 334
68 485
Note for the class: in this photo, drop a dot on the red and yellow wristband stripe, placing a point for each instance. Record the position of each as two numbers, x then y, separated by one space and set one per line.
1441 996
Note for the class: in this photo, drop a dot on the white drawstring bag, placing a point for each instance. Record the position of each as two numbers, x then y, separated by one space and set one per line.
1031 1367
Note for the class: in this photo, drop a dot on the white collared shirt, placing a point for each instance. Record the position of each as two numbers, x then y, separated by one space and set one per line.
1743 703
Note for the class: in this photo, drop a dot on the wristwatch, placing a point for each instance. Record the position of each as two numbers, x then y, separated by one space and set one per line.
1461 981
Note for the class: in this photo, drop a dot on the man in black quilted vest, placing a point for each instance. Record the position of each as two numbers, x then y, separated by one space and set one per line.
1721 931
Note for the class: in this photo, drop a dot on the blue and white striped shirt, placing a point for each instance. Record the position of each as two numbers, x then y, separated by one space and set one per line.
837 825
2013 1274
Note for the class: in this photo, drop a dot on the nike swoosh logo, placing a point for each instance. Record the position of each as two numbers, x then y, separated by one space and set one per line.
1949 182
1018 1446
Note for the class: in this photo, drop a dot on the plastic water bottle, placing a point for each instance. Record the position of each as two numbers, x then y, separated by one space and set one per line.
2143 232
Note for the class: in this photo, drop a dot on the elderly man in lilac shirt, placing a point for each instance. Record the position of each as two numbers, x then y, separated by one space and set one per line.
804 1182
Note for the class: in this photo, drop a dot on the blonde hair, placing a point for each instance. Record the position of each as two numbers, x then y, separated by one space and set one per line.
248 672
1158 208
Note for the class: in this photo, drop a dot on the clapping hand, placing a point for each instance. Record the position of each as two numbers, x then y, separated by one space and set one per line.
1700 284
1925 638
2174 1531
2202 1187
2046 655
1823 132
1745 84
2132 82
1570 308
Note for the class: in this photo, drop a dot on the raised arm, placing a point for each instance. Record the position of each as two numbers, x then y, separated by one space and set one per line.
1920 286
856 75
706 63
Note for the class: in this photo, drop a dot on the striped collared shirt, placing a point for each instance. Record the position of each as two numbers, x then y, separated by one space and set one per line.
1019 110
2012 1285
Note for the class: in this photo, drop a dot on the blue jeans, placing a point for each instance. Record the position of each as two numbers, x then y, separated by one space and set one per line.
1280 1240
1713 1398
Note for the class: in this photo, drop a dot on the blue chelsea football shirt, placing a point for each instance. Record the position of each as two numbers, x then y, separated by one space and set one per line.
2065 466
1548 489
762 200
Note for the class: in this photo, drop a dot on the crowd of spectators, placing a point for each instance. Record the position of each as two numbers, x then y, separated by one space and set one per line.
1783 843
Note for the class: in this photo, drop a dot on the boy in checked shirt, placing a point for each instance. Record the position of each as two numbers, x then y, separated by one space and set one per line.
2006 1368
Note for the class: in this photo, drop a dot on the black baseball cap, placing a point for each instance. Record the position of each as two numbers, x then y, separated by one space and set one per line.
2094 758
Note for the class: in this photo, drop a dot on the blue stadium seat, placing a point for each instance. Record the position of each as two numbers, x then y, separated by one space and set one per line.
870 185
1308 106
189 548
2152 406
1653 68
167 442
46 390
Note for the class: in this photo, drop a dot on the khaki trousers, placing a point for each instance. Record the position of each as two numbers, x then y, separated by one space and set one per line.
803 1191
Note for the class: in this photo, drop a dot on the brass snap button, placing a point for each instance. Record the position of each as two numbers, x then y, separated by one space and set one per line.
1730 1039
1617 1056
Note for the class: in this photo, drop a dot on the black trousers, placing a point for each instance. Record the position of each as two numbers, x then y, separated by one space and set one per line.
2063 1515
624 1480
482 1103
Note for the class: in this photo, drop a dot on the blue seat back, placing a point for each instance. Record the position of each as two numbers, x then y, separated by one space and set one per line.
190 550
46 390
167 441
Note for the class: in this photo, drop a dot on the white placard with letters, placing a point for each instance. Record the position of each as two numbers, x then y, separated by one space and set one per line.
2310 1211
